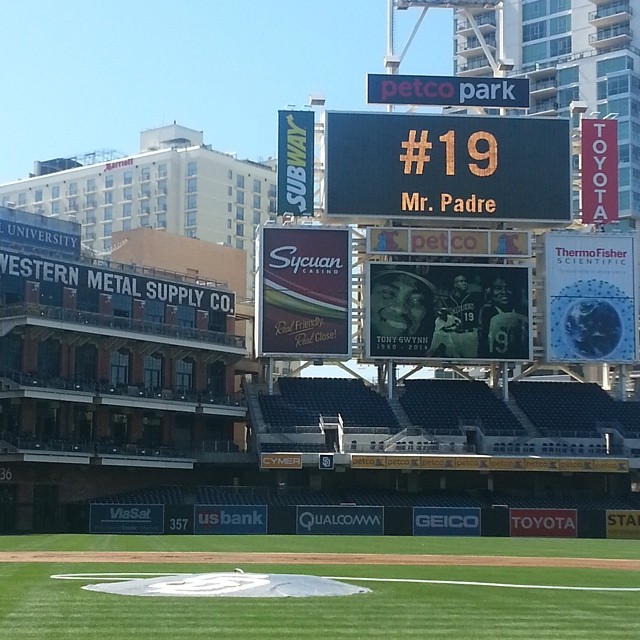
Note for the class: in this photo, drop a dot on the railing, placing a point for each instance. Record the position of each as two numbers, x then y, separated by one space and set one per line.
610 10
126 324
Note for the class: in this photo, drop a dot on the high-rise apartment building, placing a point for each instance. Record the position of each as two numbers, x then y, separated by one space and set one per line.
585 52
175 182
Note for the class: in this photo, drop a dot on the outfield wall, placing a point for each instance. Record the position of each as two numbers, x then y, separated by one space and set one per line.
499 521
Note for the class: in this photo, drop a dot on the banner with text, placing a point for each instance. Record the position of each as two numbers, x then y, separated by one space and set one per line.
623 524
230 520
304 292
126 518
344 521
591 297
543 523
446 521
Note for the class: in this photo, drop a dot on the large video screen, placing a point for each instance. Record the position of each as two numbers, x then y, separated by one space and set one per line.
466 168
452 312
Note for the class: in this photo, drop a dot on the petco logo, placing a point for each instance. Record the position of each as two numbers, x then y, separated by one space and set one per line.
230 519
340 520
436 521
447 90
557 523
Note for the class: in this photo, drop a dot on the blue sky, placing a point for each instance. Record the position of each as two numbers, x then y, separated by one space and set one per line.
83 75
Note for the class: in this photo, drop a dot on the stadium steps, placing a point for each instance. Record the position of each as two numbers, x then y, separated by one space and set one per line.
522 418
399 413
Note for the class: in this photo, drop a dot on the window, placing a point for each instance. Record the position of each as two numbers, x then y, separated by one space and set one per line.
566 96
192 202
108 213
107 229
533 10
91 201
257 202
49 358
55 192
154 311
119 368
162 171
192 185
230 174
128 176
106 244
91 185
55 208
184 375
229 191
569 75
51 294
560 46
229 207
534 52
240 197
239 213
73 204
239 243
192 168
145 174
555 6
617 84
22 199
38 195
534 31
256 217
153 371
257 186
162 187
126 224
108 181
108 197
186 316
121 305
162 220
240 181
272 191
145 192
127 193
606 67
240 229
561 24
191 219
126 210
73 189
229 224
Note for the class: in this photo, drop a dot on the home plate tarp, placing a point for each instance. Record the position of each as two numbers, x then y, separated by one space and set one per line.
230 585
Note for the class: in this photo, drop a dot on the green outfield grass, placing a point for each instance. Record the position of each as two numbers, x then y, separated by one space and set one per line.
33 605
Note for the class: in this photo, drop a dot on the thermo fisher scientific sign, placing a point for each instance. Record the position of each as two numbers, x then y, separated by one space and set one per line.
591 302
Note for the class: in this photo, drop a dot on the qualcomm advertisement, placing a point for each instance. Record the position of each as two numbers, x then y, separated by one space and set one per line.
126 518
230 519
343 521
446 521
591 303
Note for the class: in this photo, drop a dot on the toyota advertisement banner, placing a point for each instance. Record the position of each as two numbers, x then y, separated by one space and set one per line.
543 523
591 299
599 171
343 521
304 292
446 521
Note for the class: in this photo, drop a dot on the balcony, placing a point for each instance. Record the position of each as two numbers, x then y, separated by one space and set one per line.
610 14
548 107
614 36
476 67
472 47
486 23
543 88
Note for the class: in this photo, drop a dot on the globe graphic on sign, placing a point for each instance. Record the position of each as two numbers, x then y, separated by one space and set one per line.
593 327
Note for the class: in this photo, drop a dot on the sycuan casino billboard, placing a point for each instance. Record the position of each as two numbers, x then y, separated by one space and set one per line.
295 163
447 167
304 292
591 297
459 312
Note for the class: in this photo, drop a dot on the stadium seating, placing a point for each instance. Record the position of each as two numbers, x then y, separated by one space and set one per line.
444 407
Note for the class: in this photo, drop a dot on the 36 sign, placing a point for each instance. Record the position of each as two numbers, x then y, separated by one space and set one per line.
447 167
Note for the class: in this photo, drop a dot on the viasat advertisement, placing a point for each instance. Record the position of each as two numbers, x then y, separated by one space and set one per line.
304 301
591 297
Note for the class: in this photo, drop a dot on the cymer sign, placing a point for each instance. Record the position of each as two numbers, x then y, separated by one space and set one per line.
447 167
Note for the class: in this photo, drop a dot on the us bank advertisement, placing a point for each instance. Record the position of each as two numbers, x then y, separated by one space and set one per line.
304 292
591 303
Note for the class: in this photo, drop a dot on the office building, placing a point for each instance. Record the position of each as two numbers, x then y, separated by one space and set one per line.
175 182
582 58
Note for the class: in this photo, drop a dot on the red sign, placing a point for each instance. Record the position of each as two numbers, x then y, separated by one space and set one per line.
599 171
543 523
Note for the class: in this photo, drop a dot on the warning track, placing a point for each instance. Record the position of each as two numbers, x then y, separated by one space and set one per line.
187 557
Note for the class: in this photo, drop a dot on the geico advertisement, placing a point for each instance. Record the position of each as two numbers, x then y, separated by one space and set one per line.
230 519
623 524
344 521
446 521
544 523
126 518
